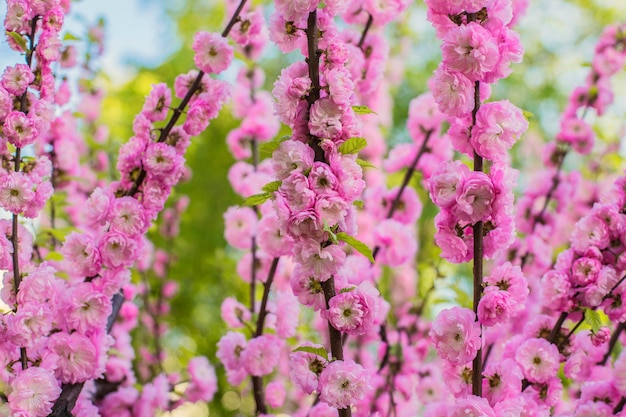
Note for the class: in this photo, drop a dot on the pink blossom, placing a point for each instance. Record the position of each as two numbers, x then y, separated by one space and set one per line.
424 115
325 119
6 104
452 239
212 52
471 406
343 383
127 216
590 231
539 359
305 368
16 192
445 183
456 335
81 251
290 87
509 278
585 271
307 288
229 349
76 357
117 250
474 198
29 324
16 79
577 133
284 33
291 156
261 355
84 308
234 313
600 337
471 50
397 242
502 380
271 238
33 392
353 312
296 10
453 92
340 84
498 125
203 384
287 314
494 307
319 262
275 394
240 226
19 129
297 192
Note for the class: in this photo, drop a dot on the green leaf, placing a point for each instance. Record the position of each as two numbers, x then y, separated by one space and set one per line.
256 199
362 110
352 145
358 203
54 256
528 115
70 37
347 289
330 231
266 149
19 39
59 233
272 186
593 319
365 164
356 244
319 351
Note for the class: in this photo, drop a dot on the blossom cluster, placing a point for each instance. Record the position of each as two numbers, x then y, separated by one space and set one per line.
58 331
320 179
478 47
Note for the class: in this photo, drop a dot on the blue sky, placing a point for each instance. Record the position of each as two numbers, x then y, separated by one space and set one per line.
136 32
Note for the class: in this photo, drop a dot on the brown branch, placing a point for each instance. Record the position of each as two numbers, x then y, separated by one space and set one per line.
477 268
368 25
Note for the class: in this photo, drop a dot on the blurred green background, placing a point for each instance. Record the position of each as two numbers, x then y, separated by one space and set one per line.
559 37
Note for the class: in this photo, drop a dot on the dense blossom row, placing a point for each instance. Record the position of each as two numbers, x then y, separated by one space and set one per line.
66 342
57 336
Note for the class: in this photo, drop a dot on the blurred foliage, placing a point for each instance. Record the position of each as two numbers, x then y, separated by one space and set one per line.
559 37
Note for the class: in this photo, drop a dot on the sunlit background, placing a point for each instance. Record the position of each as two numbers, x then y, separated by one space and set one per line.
148 41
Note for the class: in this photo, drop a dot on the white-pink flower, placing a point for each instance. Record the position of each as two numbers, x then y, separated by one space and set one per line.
343 383
33 392
456 335
539 359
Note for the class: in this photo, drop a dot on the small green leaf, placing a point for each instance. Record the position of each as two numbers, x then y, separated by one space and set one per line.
319 351
272 186
362 110
365 164
256 199
593 319
356 244
331 233
352 145
70 37
19 39
348 289
54 256
528 115
358 203
266 149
